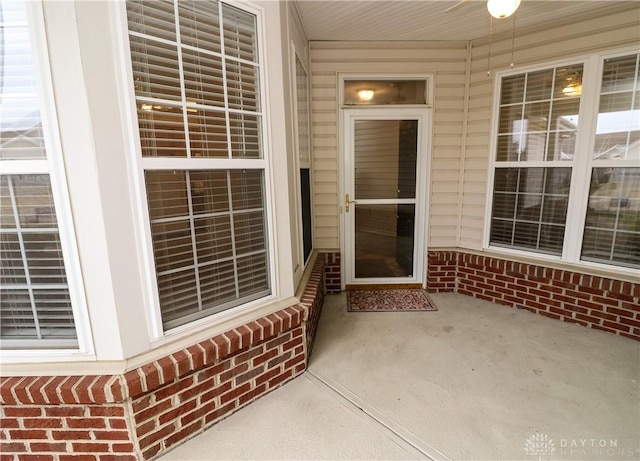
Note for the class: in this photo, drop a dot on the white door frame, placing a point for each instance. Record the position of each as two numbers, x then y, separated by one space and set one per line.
423 115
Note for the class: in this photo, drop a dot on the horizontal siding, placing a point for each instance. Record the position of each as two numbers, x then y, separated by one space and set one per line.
448 62
588 34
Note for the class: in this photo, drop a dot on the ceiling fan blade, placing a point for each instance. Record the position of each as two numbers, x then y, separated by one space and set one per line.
456 6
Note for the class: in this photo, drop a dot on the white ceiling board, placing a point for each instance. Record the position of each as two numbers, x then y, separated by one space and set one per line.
426 20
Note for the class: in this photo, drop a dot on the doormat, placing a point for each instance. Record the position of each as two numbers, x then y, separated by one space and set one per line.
389 300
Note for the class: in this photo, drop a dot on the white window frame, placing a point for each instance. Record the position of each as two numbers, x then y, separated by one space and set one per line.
299 164
139 164
53 166
581 170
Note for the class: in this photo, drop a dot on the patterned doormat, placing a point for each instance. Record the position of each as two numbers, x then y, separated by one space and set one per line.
400 300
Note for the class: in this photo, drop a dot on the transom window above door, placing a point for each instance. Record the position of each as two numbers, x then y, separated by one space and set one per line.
385 92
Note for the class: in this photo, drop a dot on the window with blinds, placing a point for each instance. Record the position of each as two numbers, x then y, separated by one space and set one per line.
196 77
537 156
35 303
612 229
537 126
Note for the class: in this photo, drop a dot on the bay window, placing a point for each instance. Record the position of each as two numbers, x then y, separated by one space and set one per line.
558 141
196 77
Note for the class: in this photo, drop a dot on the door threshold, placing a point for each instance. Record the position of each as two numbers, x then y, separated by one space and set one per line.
384 286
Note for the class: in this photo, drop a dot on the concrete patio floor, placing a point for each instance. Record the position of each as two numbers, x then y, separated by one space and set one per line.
472 381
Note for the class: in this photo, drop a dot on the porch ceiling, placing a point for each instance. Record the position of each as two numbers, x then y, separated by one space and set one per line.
402 20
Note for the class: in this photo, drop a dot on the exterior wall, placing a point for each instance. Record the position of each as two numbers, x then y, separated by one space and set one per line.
595 302
141 414
448 62
614 27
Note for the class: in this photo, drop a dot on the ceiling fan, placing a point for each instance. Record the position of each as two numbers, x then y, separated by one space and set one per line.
499 9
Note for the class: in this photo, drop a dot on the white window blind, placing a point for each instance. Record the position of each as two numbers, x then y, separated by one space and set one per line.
35 302
196 80
539 170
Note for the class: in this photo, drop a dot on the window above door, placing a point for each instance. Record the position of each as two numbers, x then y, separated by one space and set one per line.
365 91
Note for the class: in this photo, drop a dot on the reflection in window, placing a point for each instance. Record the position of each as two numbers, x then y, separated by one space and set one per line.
530 207
612 230
618 128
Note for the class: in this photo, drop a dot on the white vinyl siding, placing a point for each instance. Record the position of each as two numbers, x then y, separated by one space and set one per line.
196 79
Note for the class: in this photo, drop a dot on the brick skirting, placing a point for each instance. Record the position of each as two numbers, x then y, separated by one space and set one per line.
591 301
141 414
332 272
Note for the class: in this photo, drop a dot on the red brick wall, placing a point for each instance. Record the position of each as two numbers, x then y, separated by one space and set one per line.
312 299
591 301
180 395
141 414
332 273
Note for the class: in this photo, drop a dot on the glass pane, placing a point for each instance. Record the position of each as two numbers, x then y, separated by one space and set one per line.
384 240
612 229
199 24
161 130
178 295
249 232
620 74
207 226
384 92
34 300
530 207
213 238
385 159
242 86
539 85
512 89
152 18
207 133
618 128
568 82
253 276
21 135
203 81
217 284
538 118
245 135
166 194
155 69
239 34
247 189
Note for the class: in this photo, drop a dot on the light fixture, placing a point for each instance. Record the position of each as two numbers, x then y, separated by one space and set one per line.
572 89
365 95
501 9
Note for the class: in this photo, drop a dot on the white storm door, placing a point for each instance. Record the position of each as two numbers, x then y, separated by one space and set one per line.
385 175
